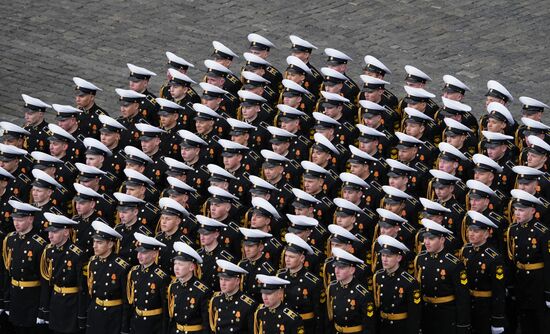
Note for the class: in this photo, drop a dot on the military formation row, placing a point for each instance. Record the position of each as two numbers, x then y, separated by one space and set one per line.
293 203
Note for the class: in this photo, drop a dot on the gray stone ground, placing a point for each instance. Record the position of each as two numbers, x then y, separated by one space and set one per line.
43 44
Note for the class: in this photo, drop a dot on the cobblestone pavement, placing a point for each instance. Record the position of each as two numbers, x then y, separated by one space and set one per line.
43 44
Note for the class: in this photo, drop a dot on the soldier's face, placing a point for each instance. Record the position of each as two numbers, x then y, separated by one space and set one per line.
232 162
204 126
23 224
536 116
484 177
241 139
260 53
94 160
523 215
137 167
345 221
127 216
17 142
58 237
414 129
129 110
110 139
84 101
358 169
444 193
84 208
280 148
371 147
92 184
33 118
136 191
219 210
391 231
10 165
490 99
250 112
455 96
399 182
212 104
495 125
147 257
496 153
390 261
407 154
252 252
373 74
168 121
151 146
340 68
456 141
224 61
220 184
395 208
372 121
169 223
229 285
346 247
328 133
313 186
180 198
102 247
536 160
436 218
434 244
189 153
293 101
291 125
352 195
344 273
256 90
303 56
415 84
259 221
477 236
293 260
420 106
373 95
209 239
58 148
308 212
296 77
335 89
183 269
40 195
178 92
333 111
447 166
530 187
216 81
138 86
273 299
319 157
479 204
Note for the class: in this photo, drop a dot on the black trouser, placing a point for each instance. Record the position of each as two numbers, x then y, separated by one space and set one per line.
438 318
534 321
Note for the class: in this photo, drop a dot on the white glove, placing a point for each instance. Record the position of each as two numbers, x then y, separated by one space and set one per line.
497 330
40 321
547 305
